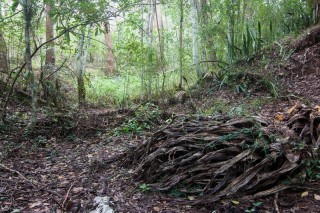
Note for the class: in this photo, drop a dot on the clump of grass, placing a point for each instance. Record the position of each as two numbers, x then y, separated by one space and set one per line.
244 81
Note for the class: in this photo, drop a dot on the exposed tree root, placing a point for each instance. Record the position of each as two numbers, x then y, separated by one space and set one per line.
219 157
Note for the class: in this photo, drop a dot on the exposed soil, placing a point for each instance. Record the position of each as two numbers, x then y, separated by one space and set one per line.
65 163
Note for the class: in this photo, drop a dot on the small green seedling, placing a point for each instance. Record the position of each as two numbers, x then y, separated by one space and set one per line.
254 207
144 187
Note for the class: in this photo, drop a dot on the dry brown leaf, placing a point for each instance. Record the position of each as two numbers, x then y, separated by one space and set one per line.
36 204
304 194
279 117
292 109
191 197
235 202
316 197
77 189
157 209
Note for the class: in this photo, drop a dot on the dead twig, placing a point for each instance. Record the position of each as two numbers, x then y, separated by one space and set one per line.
68 192
32 182
275 201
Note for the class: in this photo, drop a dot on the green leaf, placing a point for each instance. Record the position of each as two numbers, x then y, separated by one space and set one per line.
15 4
256 204
102 31
67 36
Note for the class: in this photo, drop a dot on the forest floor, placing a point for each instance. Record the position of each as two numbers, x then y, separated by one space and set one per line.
65 163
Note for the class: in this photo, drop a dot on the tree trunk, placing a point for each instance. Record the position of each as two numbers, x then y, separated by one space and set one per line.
317 9
48 77
81 59
50 54
143 66
111 65
208 40
158 25
150 52
3 50
231 14
181 45
3 54
27 12
194 20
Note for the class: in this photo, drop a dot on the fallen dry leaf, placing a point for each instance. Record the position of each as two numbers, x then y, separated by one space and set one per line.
157 209
279 117
36 204
292 109
316 197
77 189
191 197
235 202
304 194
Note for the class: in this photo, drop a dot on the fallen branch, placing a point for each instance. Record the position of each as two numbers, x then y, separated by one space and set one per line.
32 182
275 201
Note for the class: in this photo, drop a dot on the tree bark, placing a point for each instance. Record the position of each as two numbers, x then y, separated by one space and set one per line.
48 76
231 14
3 54
50 53
208 40
3 50
150 51
81 59
27 12
194 20
80 73
160 30
181 45
317 9
111 65
143 66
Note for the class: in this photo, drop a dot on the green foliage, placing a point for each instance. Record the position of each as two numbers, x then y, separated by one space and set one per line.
313 169
243 81
15 4
144 187
111 90
133 126
240 28
40 141
175 192
72 138
146 117
254 207
231 31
